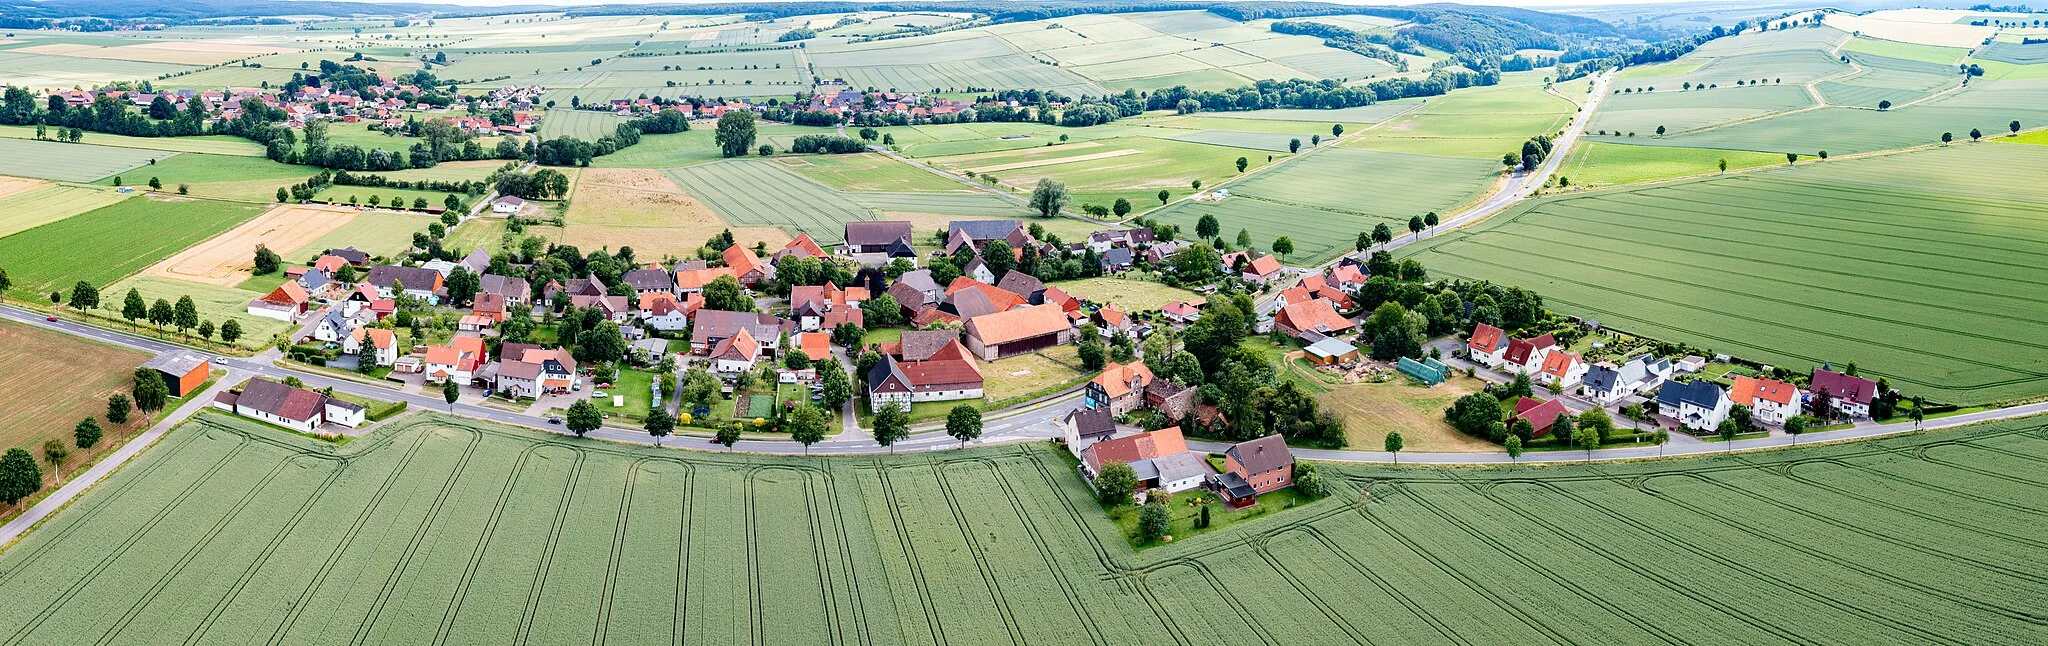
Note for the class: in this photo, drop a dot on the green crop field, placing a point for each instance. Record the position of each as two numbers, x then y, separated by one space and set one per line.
71 162
1314 201
215 303
1944 56
209 144
871 172
1100 171
1679 111
443 529
758 192
1893 79
587 125
381 233
1476 122
223 176
105 244
46 72
1917 266
45 204
1598 164
1266 141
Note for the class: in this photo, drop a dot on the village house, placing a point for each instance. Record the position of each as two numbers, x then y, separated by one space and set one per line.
1018 331
297 409
662 312
507 205
1487 345
1770 401
1698 406
1562 371
691 281
649 281
1182 312
528 370
1085 426
968 298
1120 388
1025 285
383 342
1849 395
816 346
714 326
284 303
948 375
1526 356
888 237
419 282
516 291
1160 459
1252 468
1540 413
458 360
615 308
975 234
802 246
748 269
735 354
817 307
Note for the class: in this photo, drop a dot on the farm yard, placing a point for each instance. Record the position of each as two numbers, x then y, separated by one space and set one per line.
785 550
1916 266
105 244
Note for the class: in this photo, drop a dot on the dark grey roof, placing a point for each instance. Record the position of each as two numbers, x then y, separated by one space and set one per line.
1092 421
970 303
919 345
979 230
1116 257
1021 283
717 324
861 234
509 286
901 249
920 279
1601 377
350 254
1701 393
313 279
1262 454
413 277
649 279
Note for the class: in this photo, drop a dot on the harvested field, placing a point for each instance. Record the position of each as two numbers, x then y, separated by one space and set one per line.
226 259
1919 267
479 533
36 409
12 185
381 233
43 203
642 209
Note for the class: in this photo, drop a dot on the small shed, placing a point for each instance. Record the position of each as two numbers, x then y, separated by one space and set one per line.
183 370
1332 351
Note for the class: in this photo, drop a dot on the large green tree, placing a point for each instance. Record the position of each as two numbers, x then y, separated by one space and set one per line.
20 477
806 425
735 134
583 417
964 423
1048 197
1114 483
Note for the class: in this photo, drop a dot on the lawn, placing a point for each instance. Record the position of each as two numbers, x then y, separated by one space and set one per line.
1598 164
1185 508
73 162
78 377
215 303
105 244
1010 380
1130 294
494 532
1370 410
1918 266
633 385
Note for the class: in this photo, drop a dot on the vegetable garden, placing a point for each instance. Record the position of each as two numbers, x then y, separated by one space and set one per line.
437 528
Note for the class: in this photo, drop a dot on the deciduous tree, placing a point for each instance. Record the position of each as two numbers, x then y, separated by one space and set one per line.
964 423
87 433
1050 195
583 416
1113 484
19 476
806 425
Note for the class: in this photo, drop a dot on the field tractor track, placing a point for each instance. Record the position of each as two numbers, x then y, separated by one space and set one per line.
1648 626
1444 630
1704 599
686 531
241 582
611 570
2003 504
87 513
924 595
1045 553
348 539
820 554
1878 536
177 566
1527 616
547 553
2005 451
92 573
975 549
1850 564
1890 506
483 540
1734 565
1216 583
846 561
1329 613
1988 474
412 547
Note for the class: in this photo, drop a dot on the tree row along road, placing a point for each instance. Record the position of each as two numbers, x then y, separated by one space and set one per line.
1031 422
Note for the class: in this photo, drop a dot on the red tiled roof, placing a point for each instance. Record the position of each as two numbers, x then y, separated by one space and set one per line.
1316 314
1520 349
1541 413
1841 386
1143 446
1018 324
1749 389
1485 338
1116 378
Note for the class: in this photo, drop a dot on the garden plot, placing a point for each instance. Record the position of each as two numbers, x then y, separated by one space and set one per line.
1914 266
515 532
70 162
226 259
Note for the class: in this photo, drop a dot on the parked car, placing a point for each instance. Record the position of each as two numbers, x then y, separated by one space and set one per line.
554 420
51 318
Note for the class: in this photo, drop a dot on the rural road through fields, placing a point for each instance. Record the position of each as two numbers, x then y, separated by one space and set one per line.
1032 422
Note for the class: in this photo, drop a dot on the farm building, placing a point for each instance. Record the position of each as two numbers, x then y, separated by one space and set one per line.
882 236
183 370
1017 331
1160 458
1330 351
507 205
902 383
745 267
1317 316
1120 388
285 303
714 326
419 282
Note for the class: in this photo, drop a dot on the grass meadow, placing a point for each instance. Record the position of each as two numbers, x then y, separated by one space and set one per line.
208 144
1600 164
1100 171
215 303
1475 122
1918 266
105 244
223 176
440 528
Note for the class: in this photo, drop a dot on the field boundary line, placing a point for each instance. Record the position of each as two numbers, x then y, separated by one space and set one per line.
611 570
483 540
100 503
974 549
348 538
1046 555
1935 487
